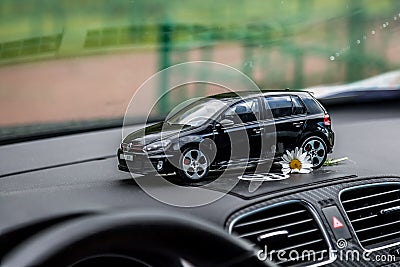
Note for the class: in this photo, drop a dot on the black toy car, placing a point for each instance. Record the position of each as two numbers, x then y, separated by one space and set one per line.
212 133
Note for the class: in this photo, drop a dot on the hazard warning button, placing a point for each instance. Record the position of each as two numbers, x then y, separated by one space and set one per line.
336 222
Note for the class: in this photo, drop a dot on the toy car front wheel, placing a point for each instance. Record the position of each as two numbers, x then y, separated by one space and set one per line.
316 149
193 165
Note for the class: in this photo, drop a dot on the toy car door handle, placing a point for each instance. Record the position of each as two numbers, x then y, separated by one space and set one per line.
257 131
298 124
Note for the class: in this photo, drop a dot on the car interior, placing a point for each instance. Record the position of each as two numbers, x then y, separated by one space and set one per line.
71 73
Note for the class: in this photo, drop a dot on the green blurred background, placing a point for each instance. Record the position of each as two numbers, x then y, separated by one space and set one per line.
278 43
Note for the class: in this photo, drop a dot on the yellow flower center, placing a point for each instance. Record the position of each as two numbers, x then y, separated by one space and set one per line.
295 164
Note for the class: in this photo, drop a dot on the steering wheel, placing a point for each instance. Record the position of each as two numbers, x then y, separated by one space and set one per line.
146 238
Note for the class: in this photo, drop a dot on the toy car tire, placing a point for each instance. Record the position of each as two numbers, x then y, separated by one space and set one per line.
316 148
193 165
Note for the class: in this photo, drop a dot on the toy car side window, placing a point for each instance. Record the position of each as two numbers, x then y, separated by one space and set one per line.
281 106
298 106
243 112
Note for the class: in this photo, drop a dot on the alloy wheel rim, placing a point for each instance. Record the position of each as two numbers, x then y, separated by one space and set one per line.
194 164
315 150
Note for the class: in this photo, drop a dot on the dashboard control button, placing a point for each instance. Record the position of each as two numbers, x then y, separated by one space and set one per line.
336 222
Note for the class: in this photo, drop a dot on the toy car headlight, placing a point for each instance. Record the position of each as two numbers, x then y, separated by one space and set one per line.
160 145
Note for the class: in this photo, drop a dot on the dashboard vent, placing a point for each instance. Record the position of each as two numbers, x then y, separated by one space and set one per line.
374 213
288 228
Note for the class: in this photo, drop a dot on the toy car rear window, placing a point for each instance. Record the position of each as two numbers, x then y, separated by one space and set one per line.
313 107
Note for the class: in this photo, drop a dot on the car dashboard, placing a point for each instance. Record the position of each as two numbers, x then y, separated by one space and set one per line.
331 212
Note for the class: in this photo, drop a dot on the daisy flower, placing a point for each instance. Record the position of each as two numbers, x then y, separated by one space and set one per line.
296 162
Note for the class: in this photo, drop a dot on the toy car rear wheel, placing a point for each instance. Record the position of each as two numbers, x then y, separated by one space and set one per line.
316 149
193 165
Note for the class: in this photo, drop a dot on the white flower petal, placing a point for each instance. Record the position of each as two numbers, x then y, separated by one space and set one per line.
307 165
305 170
285 165
303 157
296 154
286 158
289 155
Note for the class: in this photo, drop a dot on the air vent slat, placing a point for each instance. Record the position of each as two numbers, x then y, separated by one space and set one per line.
284 227
373 206
275 228
270 218
364 218
376 216
370 196
382 236
376 226
304 232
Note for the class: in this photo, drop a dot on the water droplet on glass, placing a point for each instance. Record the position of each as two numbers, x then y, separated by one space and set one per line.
373 32
332 58
358 42
337 54
395 18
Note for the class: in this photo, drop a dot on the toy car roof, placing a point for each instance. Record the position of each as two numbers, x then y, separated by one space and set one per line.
235 95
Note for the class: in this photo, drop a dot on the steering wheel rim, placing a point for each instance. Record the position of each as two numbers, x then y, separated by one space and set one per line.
180 236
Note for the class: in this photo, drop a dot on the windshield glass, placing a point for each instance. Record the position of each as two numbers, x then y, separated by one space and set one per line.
73 66
197 113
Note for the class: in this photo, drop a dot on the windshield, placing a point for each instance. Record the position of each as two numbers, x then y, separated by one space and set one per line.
71 67
197 113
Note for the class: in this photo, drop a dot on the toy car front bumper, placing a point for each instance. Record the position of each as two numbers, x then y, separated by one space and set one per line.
141 163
